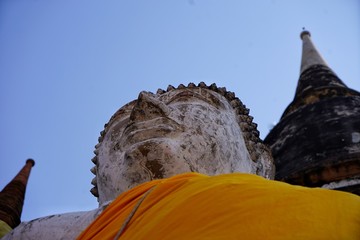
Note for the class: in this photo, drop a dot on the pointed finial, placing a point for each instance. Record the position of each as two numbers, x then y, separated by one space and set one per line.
310 55
13 194
31 162
303 33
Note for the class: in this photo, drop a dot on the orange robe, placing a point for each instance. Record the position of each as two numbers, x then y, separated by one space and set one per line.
230 206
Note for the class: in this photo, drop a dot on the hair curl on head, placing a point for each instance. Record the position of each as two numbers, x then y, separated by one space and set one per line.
252 140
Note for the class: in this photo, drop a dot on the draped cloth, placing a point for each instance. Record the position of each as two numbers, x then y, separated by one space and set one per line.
230 206
4 228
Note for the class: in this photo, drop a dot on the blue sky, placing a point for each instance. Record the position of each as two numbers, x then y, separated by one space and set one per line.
67 66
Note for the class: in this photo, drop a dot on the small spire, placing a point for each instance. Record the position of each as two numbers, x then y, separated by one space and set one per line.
13 194
315 76
310 55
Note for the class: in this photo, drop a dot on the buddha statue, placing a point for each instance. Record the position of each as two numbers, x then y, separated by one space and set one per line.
195 129
202 129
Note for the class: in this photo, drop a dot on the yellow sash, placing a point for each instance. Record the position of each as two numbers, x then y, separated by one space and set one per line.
4 228
231 206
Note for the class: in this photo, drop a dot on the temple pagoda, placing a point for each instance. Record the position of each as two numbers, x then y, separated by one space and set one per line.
317 140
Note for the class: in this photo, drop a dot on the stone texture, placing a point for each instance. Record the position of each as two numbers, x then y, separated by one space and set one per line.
188 129
317 140
59 226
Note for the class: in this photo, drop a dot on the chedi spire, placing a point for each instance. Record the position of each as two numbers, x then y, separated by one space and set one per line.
316 77
310 55
13 194
317 141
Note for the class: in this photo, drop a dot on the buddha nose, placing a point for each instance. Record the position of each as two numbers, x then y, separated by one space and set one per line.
148 107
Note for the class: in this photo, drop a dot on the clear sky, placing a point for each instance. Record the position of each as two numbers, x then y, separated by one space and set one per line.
67 66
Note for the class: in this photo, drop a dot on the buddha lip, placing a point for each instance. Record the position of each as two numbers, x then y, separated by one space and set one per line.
153 128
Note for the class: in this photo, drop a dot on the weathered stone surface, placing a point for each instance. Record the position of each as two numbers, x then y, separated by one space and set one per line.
316 141
59 226
193 129
315 84
313 145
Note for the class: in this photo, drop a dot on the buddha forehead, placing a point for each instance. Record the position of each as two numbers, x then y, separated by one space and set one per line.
188 96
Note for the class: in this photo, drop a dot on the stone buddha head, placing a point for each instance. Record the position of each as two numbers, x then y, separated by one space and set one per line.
202 129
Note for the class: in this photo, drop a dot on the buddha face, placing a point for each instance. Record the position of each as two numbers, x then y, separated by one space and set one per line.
161 135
